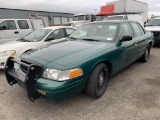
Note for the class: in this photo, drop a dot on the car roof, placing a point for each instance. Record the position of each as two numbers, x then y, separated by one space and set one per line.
13 19
57 27
113 21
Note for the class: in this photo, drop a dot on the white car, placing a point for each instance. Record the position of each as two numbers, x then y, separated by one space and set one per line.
35 39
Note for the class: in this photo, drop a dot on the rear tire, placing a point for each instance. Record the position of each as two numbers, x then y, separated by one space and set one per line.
146 55
97 82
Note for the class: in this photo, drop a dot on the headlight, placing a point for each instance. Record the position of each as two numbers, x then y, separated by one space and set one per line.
8 53
62 75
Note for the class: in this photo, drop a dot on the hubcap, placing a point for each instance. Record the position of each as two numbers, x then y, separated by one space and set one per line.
101 80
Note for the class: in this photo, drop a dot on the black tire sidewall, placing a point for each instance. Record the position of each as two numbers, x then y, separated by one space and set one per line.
101 92
94 78
147 50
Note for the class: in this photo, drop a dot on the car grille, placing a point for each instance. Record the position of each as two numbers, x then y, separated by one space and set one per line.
156 34
24 68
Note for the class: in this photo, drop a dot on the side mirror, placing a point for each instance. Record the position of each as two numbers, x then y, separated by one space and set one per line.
3 28
68 35
126 38
49 38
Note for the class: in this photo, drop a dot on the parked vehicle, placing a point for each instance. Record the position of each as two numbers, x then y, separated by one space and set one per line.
153 26
125 9
37 38
85 61
13 29
132 17
81 18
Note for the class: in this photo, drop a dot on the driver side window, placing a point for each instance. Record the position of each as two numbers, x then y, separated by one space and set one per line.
8 25
57 34
126 29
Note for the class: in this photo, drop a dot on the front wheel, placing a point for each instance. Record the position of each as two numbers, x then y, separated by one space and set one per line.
97 82
146 55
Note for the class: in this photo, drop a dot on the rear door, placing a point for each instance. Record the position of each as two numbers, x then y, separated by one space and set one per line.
8 31
24 27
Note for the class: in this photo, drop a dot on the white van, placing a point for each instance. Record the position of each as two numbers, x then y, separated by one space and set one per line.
132 17
13 29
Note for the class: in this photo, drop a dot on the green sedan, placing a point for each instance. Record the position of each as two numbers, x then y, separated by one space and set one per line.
82 62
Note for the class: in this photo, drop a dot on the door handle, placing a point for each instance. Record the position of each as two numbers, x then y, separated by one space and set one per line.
16 32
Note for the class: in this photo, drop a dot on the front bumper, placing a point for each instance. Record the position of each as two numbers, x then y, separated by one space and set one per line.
59 90
3 62
36 86
25 80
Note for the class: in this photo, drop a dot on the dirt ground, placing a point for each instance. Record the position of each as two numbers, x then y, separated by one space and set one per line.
132 94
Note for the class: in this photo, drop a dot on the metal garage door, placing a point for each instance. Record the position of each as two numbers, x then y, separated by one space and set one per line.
57 20
64 20
70 19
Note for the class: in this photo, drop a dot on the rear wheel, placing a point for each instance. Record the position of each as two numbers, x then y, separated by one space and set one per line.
97 82
146 55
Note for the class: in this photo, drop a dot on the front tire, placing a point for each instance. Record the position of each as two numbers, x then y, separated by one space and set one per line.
145 57
97 82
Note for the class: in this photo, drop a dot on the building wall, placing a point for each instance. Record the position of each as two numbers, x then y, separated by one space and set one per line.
23 14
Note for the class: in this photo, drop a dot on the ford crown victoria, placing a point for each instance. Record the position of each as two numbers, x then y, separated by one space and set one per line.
83 62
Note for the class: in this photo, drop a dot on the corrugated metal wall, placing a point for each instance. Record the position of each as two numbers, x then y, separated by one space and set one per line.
23 14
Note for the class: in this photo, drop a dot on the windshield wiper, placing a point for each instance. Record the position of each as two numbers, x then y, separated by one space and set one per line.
72 38
89 39
23 40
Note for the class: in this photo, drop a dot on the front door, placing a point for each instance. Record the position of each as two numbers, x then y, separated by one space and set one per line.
127 52
8 31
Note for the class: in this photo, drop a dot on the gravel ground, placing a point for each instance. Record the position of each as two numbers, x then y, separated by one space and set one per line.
132 94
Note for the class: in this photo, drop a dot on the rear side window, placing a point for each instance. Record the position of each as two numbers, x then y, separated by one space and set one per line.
57 34
142 30
69 31
23 24
136 29
8 25
126 29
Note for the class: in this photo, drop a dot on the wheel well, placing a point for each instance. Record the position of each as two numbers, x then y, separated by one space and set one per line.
109 65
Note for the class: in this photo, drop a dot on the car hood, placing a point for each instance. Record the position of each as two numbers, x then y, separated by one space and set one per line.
13 45
65 53
153 28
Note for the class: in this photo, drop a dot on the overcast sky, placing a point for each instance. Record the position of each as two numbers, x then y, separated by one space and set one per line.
72 6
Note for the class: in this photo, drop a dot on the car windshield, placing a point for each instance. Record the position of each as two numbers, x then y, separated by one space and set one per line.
96 31
37 35
114 18
77 18
154 22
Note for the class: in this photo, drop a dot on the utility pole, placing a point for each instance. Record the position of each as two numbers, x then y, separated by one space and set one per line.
95 11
